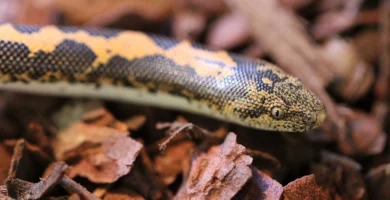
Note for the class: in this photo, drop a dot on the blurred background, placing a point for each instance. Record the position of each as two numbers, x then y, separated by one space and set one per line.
340 49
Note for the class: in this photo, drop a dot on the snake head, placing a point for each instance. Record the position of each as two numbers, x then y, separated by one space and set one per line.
292 107
275 100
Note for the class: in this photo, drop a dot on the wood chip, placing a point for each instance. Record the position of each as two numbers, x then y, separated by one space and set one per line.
218 174
340 175
305 188
20 189
261 187
378 180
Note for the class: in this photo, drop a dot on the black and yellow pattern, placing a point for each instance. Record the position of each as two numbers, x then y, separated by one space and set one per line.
242 90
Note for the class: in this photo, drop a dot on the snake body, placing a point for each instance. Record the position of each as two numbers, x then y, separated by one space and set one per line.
147 69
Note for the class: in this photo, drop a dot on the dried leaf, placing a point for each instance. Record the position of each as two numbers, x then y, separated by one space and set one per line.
188 25
105 154
382 83
296 4
233 23
8 128
136 122
367 46
215 6
73 111
80 133
27 11
101 117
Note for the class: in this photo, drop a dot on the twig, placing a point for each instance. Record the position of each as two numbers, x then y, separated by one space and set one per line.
73 187
18 153
176 128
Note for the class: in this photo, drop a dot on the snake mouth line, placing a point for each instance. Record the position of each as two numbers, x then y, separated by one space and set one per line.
322 109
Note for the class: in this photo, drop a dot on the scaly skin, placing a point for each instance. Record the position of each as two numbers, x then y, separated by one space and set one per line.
245 91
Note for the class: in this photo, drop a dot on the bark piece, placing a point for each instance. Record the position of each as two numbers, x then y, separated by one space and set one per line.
218 174
26 154
142 179
378 181
260 187
235 24
20 189
263 159
305 188
4 193
341 175
365 135
5 163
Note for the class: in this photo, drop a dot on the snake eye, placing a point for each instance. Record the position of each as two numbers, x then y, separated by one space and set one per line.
277 112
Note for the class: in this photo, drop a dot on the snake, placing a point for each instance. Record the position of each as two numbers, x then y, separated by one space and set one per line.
147 69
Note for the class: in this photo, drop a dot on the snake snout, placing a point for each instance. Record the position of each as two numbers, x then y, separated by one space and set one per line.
319 117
